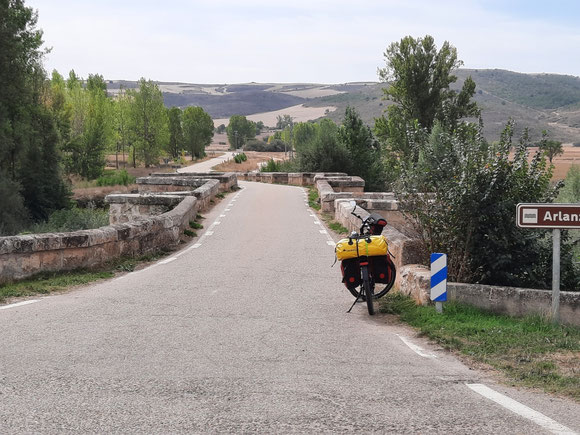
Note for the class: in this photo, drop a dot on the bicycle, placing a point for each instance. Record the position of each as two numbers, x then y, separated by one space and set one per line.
366 264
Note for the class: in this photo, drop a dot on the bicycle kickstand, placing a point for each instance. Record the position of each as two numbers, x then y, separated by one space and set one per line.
354 303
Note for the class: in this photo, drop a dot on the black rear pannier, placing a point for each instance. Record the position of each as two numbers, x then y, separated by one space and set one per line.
382 269
350 272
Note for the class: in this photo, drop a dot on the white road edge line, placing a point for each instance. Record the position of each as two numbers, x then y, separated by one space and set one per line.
19 304
417 349
331 243
169 260
520 409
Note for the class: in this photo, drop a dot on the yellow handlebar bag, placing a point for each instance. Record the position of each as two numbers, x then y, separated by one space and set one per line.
377 246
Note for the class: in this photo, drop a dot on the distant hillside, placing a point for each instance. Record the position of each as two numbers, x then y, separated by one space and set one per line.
536 101
540 91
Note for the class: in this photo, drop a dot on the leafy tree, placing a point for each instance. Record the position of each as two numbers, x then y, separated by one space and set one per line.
324 152
29 140
56 101
42 186
122 137
239 131
98 128
303 133
469 211
259 127
363 150
551 148
197 130
148 123
175 132
13 214
419 77
283 121
91 126
221 129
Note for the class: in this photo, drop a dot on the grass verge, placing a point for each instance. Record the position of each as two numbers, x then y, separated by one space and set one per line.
313 198
59 281
529 351
334 225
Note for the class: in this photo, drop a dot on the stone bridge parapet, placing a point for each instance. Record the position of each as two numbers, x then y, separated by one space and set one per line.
140 224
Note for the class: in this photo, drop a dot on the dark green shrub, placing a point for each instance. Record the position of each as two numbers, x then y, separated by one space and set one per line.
275 146
74 219
239 158
13 214
115 178
465 201
195 225
271 166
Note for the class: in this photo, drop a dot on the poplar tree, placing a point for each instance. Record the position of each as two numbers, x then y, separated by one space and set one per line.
148 123
197 130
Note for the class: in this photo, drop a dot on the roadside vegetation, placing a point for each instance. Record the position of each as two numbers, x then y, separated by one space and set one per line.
73 219
570 193
335 226
528 351
313 198
115 178
47 283
54 128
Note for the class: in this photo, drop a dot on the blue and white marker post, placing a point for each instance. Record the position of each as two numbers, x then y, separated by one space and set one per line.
439 280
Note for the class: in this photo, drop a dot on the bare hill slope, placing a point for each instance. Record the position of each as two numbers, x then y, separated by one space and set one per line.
537 101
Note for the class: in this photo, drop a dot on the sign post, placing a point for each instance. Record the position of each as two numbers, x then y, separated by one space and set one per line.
439 280
556 217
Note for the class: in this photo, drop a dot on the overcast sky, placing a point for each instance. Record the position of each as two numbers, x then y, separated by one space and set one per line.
319 41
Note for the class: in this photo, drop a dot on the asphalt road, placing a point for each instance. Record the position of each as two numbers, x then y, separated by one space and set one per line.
207 165
244 330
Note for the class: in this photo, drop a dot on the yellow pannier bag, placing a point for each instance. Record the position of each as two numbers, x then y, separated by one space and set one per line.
377 246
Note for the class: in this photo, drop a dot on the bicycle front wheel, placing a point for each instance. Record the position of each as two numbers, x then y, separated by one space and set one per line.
368 291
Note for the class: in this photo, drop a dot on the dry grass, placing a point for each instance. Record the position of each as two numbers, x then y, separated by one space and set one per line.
561 163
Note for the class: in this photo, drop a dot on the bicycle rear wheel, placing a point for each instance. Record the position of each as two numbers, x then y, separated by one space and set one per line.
368 291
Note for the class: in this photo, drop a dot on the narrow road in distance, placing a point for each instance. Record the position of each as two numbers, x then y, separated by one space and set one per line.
244 330
207 165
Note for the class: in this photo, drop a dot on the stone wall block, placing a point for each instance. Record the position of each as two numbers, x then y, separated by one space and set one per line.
414 280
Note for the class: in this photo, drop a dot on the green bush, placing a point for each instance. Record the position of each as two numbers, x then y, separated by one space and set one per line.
275 146
72 220
463 192
571 190
571 193
115 178
239 158
271 166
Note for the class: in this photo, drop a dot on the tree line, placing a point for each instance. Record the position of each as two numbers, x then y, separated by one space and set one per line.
52 127
459 190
